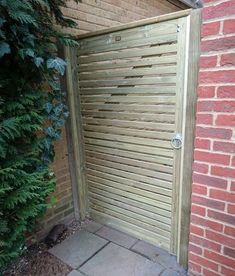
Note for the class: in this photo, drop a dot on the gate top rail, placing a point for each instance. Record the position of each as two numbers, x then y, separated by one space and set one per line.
138 23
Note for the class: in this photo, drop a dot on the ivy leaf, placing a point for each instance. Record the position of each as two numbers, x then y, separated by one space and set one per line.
58 64
26 52
4 49
38 61
48 107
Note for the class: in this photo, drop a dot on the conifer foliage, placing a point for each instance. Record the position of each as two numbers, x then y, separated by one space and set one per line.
32 112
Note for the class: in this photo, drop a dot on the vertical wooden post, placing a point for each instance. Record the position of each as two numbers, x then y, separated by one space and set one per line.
75 135
192 41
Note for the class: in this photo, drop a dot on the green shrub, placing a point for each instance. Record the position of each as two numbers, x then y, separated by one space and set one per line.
32 112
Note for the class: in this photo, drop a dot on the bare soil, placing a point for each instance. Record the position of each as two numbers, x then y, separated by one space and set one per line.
37 261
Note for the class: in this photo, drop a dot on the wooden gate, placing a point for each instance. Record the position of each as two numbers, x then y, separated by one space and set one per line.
133 114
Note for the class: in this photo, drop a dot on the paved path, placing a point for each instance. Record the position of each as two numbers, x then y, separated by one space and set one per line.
98 250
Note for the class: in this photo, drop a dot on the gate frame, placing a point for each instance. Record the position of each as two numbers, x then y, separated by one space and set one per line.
189 87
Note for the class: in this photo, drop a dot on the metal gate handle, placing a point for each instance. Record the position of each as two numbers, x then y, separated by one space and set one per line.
176 141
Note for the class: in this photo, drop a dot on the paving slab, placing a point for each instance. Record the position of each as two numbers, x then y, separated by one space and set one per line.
92 226
170 272
114 260
116 236
149 250
75 273
75 250
160 256
168 261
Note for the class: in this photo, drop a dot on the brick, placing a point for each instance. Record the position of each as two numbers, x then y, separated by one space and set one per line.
214 204
210 28
221 217
201 168
218 44
206 91
227 272
211 157
207 132
220 238
218 106
228 59
226 92
207 272
198 189
208 62
229 252
219 258
231 208
222 76
203 261
220 10
194 267
195 209
196 230
222 171
225 120
202 143
204 119
229 231
199 221
232 186
195 249
233 161
224 147
229 26
209 181
222 195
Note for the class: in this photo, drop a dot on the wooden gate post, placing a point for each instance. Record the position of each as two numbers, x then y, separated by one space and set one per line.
75 135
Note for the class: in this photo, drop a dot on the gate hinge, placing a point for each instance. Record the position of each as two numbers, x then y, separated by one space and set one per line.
178 28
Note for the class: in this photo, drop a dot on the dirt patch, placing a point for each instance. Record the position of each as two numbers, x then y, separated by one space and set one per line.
37 261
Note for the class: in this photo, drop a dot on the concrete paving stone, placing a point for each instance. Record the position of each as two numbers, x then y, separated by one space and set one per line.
148 250
169 261
75 250
75 273
92 226
116 236
114 260
170 272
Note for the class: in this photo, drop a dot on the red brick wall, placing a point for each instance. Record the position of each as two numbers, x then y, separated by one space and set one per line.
212 232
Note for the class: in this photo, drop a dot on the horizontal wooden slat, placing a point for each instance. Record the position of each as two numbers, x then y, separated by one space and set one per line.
130 98
132 140
129 90
129 168
133 198
134 155
130 147
131 218
125 182
134 186
131 81
127 227
145 41
128 73
130 116
115 174
145 209
164 230
130 34
156 50
130 124
114 64
130 132
128 161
